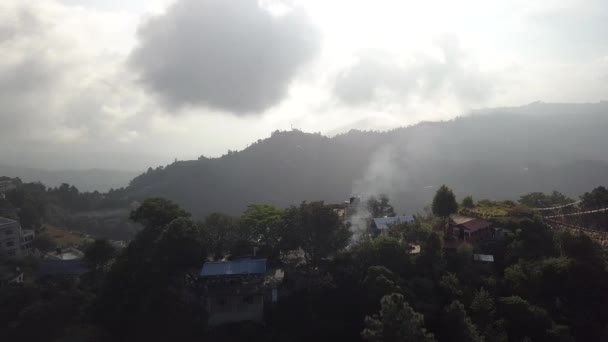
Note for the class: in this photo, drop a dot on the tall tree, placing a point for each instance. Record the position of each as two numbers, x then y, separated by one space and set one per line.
468 202
380 207
262 221
141 298
444 202
396 322
98 254
457 326
221 233
315 228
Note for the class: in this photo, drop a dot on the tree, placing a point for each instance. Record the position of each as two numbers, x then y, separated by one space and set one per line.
396 322
385 251
315 228
468 203
457 326
524 320
262 222
541 200
380 207
220 232
483 309
596 199
444 202
143 292
98 254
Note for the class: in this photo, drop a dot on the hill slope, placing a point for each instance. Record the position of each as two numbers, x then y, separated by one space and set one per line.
498 153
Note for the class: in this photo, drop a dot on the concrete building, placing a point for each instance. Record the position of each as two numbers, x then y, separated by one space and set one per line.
236 291
14 241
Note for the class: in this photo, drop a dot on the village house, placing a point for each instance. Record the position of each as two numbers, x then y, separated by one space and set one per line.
236 291
469 229
382 225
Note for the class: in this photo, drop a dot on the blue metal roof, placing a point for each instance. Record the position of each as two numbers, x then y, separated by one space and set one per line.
242 266
383 222
62 268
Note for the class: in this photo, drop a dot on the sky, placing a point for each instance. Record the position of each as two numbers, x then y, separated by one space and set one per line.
130 84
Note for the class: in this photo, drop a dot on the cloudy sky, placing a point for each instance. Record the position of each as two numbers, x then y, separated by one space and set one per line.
128 84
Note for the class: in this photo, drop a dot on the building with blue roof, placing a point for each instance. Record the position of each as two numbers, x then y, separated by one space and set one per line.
235 291
382 224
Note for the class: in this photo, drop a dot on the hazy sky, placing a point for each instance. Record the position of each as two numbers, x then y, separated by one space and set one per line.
128 84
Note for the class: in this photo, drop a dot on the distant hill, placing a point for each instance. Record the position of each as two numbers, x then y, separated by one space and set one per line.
85 180
497 153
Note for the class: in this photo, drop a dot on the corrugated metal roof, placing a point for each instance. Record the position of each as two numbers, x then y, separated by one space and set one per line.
483 257
470 223
384 222
61 268
4 220
242 266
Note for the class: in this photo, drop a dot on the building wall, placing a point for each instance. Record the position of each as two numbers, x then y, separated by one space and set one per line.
227 309
10 239
14 241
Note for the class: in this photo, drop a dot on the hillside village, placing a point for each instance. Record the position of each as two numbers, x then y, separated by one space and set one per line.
476 263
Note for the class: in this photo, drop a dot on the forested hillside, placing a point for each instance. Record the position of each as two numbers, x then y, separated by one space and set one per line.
498 153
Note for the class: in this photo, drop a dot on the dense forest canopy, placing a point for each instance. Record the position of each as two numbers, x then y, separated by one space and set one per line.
545 284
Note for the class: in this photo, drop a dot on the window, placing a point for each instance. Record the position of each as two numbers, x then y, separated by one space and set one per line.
221 301
248 299
10 244
11 253
8 232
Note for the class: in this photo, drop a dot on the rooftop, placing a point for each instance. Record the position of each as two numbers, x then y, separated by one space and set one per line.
383 223
483 257
69 253
5 221
470 223
61 268
236 267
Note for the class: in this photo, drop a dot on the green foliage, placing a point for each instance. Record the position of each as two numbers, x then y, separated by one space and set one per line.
483 309
444 202
316 229
385 251
596 199
541 200
220 232
524 320
380 281
396 322
467 202
380 207
457 326
98 254
450 287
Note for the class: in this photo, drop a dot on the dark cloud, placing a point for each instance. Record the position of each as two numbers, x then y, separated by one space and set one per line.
229 55
377 78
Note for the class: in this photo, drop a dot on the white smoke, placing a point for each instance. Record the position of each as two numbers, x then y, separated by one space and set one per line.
385 174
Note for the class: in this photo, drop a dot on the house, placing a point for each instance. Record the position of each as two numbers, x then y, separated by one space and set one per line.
235 291
381 225
468 229
14 241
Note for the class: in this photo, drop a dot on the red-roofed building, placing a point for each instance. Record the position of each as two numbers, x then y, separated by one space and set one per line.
469 228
